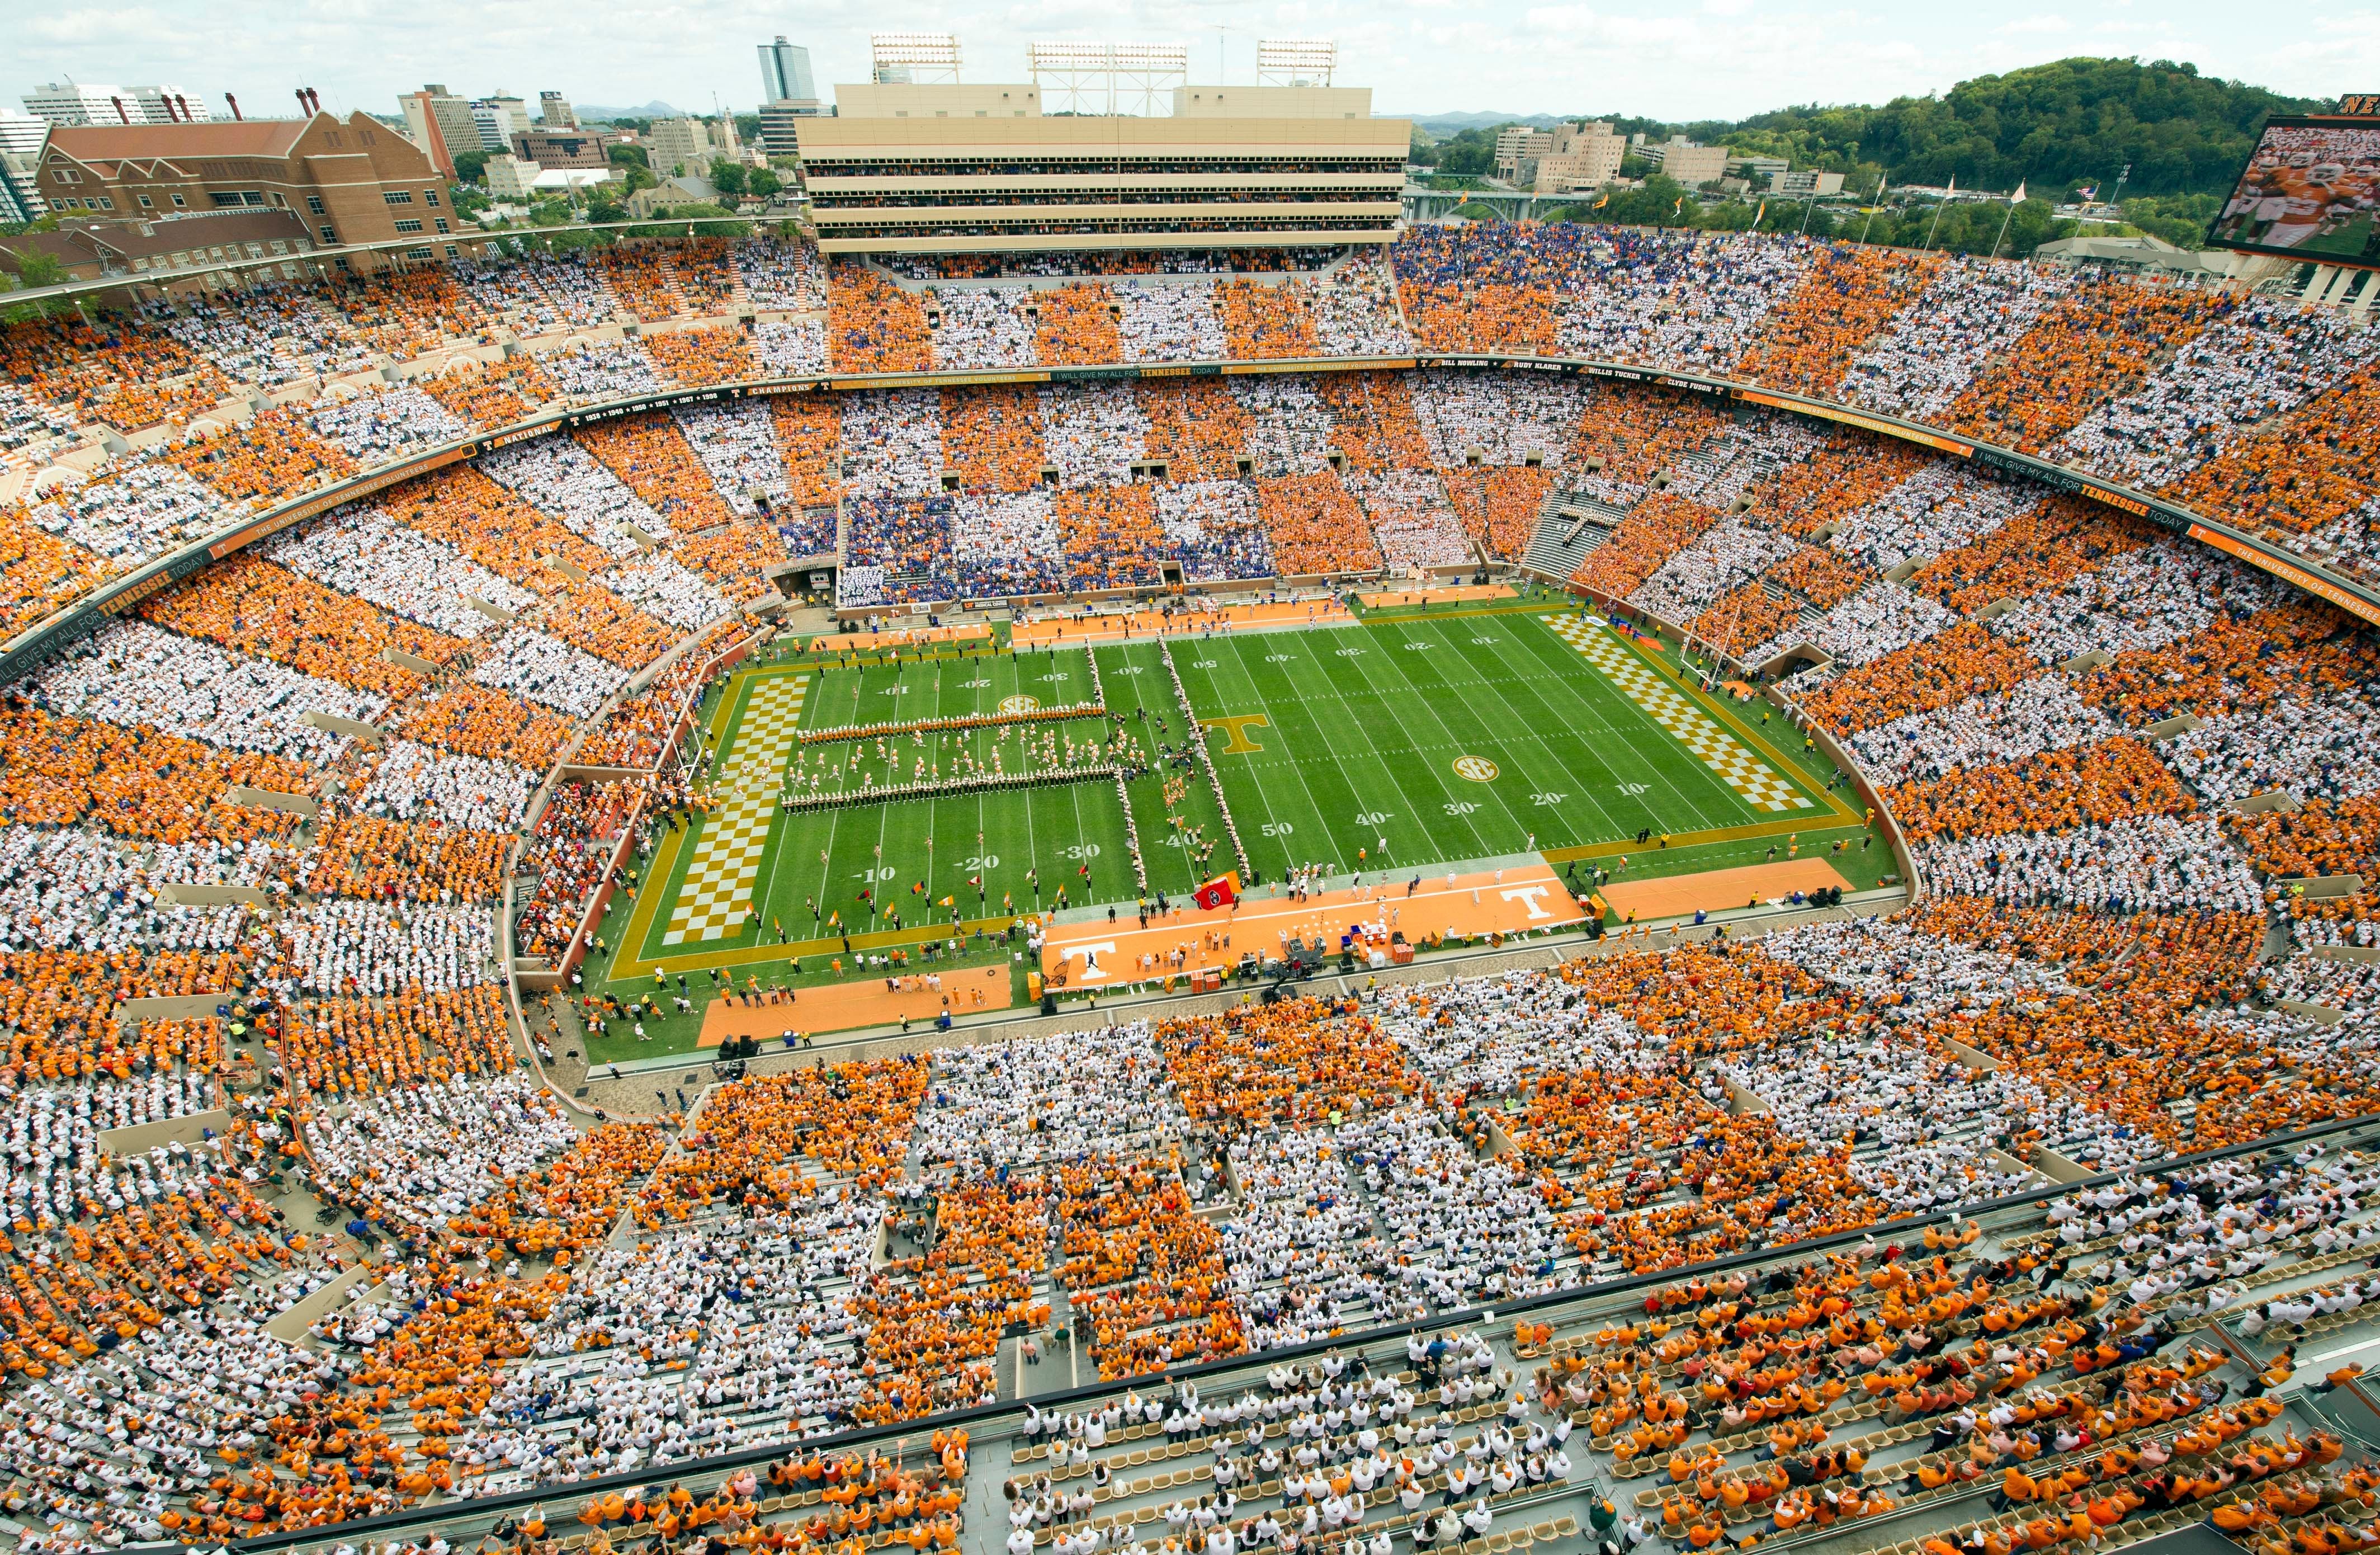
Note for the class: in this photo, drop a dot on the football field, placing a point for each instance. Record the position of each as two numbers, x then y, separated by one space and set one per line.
1465 737
1392 743
885 866
1389 745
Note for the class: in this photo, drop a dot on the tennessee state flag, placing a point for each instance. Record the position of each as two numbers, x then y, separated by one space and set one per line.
1220 891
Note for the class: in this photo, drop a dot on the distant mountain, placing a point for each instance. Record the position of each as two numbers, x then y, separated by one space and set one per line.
654 110
1454 124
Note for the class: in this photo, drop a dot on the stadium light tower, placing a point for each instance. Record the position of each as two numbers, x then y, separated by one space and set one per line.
1296 61
913 57
1109 79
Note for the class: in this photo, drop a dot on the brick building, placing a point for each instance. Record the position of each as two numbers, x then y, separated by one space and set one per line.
163 252
564 148
348 181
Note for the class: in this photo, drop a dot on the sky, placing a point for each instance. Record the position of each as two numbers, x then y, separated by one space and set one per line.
1691 59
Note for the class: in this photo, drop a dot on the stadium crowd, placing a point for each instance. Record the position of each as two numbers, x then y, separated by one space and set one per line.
2119 762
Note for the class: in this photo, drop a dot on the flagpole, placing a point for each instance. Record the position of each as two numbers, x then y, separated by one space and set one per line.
1874 202
2014 200
1937 221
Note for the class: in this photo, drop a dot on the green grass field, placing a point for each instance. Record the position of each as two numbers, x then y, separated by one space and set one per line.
1453 735
1445 737
908 854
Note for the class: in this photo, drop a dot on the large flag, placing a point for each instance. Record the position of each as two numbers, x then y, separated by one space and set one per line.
2018 198
1220 891
1758 215
1604 201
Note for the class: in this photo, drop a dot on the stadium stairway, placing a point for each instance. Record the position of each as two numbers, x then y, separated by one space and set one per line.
1571 527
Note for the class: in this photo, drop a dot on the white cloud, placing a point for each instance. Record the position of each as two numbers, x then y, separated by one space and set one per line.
1718 58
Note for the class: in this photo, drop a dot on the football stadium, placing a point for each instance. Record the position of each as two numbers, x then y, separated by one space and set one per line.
1114 844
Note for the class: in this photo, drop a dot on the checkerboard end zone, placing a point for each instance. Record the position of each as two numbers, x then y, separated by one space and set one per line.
714 899
1737 767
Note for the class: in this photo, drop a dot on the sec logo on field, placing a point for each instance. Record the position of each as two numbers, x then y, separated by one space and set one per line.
1020 704
1478 768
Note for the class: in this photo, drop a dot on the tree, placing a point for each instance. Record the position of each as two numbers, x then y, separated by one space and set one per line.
1734 215
763 182
603 205
705 229
748 127
2056 128
1660 200
727 177
1469 150
37 267
2056 125
23 312
629 156
2179 219
470 168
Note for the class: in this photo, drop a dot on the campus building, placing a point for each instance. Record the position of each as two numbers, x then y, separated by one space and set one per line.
781 124
571 148
786 72
1571 157
679 145
1690 162
89 248
88 103
952 168
351 181
442 125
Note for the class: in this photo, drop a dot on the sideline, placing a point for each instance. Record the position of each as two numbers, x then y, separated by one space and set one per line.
1743 925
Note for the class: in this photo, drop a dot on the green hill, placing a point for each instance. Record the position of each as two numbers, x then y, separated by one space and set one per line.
2057 127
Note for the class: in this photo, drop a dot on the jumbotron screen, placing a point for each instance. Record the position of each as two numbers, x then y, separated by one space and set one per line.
2310 191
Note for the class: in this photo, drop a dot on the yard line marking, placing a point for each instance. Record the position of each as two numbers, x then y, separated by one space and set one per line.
1631 756
1737 767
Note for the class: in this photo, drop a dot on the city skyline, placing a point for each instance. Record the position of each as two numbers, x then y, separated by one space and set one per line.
1719 59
